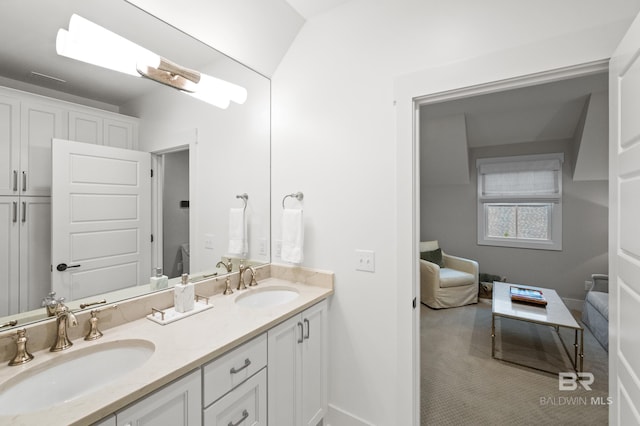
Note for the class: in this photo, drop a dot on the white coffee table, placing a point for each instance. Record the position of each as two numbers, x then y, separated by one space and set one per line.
554 314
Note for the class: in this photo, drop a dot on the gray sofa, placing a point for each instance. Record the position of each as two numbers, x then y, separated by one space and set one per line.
595 311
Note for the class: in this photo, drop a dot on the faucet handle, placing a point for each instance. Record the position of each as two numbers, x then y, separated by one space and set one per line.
22 354
94 333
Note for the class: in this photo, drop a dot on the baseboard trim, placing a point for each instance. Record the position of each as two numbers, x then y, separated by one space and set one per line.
339 417
573 304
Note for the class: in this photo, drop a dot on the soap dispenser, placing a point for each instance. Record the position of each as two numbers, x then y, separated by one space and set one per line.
183 295
159 281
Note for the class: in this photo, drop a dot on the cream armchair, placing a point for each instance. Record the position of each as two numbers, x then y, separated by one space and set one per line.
453 284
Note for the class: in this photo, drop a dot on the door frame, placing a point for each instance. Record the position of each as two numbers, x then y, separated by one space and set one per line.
407 87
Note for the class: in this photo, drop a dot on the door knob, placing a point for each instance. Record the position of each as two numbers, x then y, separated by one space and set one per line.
63 267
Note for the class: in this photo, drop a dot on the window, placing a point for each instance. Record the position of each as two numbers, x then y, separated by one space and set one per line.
520 201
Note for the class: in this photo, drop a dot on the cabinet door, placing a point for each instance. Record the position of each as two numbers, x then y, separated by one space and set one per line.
314 364
9 145
177 404
244 405
9 254
120 133
41 122
35 251
284 372
85 127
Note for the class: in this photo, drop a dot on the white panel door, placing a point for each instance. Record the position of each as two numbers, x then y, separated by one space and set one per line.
101 209
624 230
9 253
35 251
9 145
41 122
85 127
314 364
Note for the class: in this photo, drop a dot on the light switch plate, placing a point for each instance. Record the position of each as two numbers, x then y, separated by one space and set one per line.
208 241
365 260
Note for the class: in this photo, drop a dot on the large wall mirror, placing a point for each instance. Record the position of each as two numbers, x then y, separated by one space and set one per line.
208 162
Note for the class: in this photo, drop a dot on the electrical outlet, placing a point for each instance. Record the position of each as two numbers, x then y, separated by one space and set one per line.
278 249
365 260
262 247
208 241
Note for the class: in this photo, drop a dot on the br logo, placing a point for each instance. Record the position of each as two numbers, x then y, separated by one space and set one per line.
569 381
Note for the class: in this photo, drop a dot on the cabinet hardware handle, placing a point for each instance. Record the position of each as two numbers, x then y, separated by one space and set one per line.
245 416
24 212
63 267
15 180
301 332
247 362
24 181
15 212
306 321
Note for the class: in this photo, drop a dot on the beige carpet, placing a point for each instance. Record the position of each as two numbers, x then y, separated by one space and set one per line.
462 385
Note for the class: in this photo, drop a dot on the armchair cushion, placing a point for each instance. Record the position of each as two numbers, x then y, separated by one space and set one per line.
454 278
433 256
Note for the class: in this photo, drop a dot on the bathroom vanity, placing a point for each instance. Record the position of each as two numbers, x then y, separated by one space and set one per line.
210 368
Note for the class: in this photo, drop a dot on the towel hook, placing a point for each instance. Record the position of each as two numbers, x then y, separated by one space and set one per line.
297 195
244 198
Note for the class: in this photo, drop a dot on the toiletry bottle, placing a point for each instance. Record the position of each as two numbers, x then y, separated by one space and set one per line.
159 281
183 295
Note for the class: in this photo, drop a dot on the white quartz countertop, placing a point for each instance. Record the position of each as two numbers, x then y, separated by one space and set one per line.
180 347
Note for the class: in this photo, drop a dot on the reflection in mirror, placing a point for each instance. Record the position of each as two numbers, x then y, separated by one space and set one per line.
202 156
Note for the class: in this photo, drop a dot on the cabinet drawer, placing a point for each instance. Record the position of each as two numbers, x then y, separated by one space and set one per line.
228 371
246 405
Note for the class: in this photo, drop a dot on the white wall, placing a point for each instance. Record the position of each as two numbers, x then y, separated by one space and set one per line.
338 138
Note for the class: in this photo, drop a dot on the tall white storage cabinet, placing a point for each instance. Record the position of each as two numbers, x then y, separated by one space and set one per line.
297 369
28 123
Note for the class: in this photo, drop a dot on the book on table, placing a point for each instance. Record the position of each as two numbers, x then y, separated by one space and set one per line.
527 295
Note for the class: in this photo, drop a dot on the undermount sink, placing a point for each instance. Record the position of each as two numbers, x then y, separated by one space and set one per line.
71 375
266 297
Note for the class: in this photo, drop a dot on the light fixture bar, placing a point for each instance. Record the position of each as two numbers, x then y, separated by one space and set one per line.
88 42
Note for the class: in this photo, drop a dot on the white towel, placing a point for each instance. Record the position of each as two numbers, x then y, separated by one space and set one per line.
292 236
238 232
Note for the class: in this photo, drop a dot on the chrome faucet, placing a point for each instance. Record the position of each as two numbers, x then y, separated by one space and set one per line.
64 317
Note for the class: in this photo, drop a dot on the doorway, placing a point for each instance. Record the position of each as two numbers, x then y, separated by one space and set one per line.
175 213
461 188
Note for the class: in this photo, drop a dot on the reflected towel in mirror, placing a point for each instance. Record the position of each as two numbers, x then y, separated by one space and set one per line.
238 232
292 236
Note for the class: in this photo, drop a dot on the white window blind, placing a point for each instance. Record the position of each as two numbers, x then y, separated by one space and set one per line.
523 176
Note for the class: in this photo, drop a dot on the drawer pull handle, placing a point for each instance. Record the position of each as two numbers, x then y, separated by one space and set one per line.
301 332
15 212
247 362
15 180
24 181
24 212
306 321
245 416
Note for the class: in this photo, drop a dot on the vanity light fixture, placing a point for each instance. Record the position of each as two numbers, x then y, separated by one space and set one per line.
88 42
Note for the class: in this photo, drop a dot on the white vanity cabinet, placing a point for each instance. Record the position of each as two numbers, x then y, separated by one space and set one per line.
103 128
235 386
297 372
176 404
